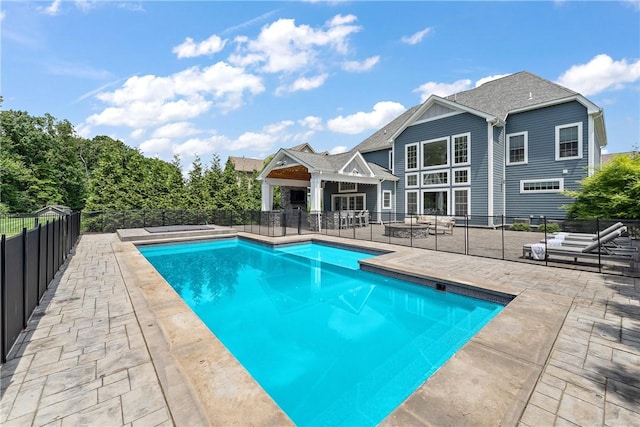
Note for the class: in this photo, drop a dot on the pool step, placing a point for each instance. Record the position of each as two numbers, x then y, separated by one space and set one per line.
141 234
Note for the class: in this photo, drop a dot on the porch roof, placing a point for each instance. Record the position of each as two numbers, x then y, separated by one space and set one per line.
296 165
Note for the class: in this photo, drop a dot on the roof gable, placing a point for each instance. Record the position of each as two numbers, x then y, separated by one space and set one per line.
356 166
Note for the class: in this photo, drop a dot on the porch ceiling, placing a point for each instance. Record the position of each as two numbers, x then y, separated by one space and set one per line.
294 172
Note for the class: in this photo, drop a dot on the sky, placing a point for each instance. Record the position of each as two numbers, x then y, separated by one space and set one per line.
248 78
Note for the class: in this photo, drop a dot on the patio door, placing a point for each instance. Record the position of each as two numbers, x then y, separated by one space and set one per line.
350 202
435 202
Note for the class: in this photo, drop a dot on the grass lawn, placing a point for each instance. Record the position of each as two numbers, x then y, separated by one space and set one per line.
12 226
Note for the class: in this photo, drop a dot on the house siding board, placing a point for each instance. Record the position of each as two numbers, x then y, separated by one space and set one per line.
446 127
498 169
380 157
540 125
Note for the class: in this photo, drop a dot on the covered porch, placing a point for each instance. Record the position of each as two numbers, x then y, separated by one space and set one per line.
337 191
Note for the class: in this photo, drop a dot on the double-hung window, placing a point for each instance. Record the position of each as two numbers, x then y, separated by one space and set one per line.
461 201
461 149
569 141
411 157
386 199
412 202
517 148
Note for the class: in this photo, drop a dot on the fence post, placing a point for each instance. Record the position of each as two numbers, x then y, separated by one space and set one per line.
39 260
599 248
3 300
300 221
502 228
25 301
466 234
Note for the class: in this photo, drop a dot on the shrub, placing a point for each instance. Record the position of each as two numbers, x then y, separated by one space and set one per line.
520 226
551 227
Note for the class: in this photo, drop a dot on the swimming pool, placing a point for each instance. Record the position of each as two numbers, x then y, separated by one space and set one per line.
331 344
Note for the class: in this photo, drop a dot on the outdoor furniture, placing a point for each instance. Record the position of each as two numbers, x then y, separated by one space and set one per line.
588 237
594 249
438 224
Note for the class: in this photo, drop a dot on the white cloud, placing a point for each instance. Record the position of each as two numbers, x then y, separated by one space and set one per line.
416 37
253 141
151 100
442 89
383 112
278 128
283 46
190 49
200 146
140 114
2 15
356 67
312 122
175 130
600 74
303 83
155 146
137 134
53 9
338 149
489 78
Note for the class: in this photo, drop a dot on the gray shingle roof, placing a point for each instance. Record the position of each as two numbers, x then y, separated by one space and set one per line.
332 163
246 164
380 139
515 91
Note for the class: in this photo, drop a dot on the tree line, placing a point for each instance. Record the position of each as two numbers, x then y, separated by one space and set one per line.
44 162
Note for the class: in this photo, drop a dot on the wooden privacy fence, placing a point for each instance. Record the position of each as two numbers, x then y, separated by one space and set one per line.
28 264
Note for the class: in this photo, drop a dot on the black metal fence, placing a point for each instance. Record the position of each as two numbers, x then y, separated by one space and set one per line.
12 224
498 237
28 264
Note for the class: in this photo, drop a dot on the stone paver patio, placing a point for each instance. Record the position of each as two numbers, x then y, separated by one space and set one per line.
108 346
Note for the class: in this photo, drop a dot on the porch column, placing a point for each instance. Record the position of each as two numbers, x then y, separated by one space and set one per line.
267 196
315 222
316 193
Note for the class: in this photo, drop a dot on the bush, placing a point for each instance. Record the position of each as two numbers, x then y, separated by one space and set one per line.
551 227
520 226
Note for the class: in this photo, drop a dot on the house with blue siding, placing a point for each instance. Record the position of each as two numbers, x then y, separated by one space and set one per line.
508 147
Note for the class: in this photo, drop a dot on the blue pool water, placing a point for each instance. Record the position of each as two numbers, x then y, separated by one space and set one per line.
331 344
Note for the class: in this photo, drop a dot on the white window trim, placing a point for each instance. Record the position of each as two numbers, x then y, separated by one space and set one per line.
453 149
384 206
446 171
448 145
453 202
391 160
348 190
364 198
526 147
435 190
579 156
523 181
406 201
406 180
453 177
406 157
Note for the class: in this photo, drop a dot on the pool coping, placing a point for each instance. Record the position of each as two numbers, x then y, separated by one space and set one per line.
488 381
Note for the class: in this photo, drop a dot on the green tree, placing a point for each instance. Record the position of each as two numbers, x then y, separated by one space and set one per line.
611 192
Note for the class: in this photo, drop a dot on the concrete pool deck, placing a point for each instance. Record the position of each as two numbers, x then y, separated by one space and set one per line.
112 344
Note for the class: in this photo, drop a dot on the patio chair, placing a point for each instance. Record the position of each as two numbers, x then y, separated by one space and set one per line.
594 249
345 219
